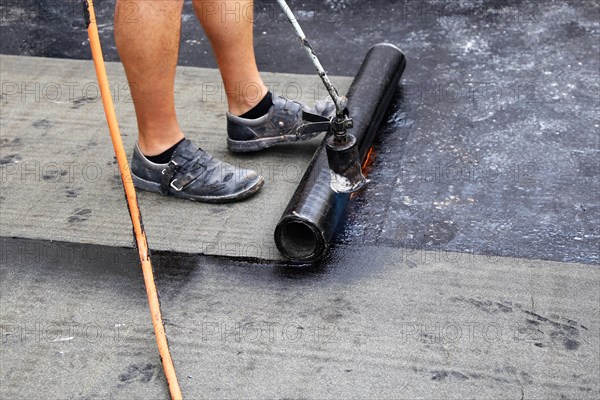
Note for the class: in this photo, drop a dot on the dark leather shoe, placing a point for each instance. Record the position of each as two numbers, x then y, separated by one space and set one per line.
194 174
282 124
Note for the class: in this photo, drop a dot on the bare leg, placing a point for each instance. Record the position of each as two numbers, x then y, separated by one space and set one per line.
229 25
147 37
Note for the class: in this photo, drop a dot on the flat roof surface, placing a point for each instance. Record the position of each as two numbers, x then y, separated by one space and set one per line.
467 268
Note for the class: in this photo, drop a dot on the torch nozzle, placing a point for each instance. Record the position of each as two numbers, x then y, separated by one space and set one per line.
344 163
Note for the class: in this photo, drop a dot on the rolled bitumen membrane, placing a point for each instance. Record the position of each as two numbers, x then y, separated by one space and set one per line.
308 223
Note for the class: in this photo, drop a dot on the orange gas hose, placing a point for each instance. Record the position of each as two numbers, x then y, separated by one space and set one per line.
132 203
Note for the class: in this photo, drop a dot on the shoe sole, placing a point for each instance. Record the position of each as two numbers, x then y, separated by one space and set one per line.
247 146
154 187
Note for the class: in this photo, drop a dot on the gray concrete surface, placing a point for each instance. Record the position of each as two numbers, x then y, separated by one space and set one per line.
372 323
59 181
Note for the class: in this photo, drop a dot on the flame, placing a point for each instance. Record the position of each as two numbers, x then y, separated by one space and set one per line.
369 159
366 166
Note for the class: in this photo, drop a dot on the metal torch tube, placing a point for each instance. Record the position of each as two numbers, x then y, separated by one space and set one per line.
337 100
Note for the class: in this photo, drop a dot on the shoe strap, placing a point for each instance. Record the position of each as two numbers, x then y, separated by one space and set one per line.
184 168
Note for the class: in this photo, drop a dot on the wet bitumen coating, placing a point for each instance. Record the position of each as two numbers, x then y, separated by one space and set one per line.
493 145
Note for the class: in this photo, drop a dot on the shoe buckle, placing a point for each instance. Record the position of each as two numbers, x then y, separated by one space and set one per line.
175 187
170 170
172 165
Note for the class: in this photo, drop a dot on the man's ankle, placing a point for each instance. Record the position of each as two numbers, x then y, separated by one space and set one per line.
238 105
165 156
157 145
259 109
